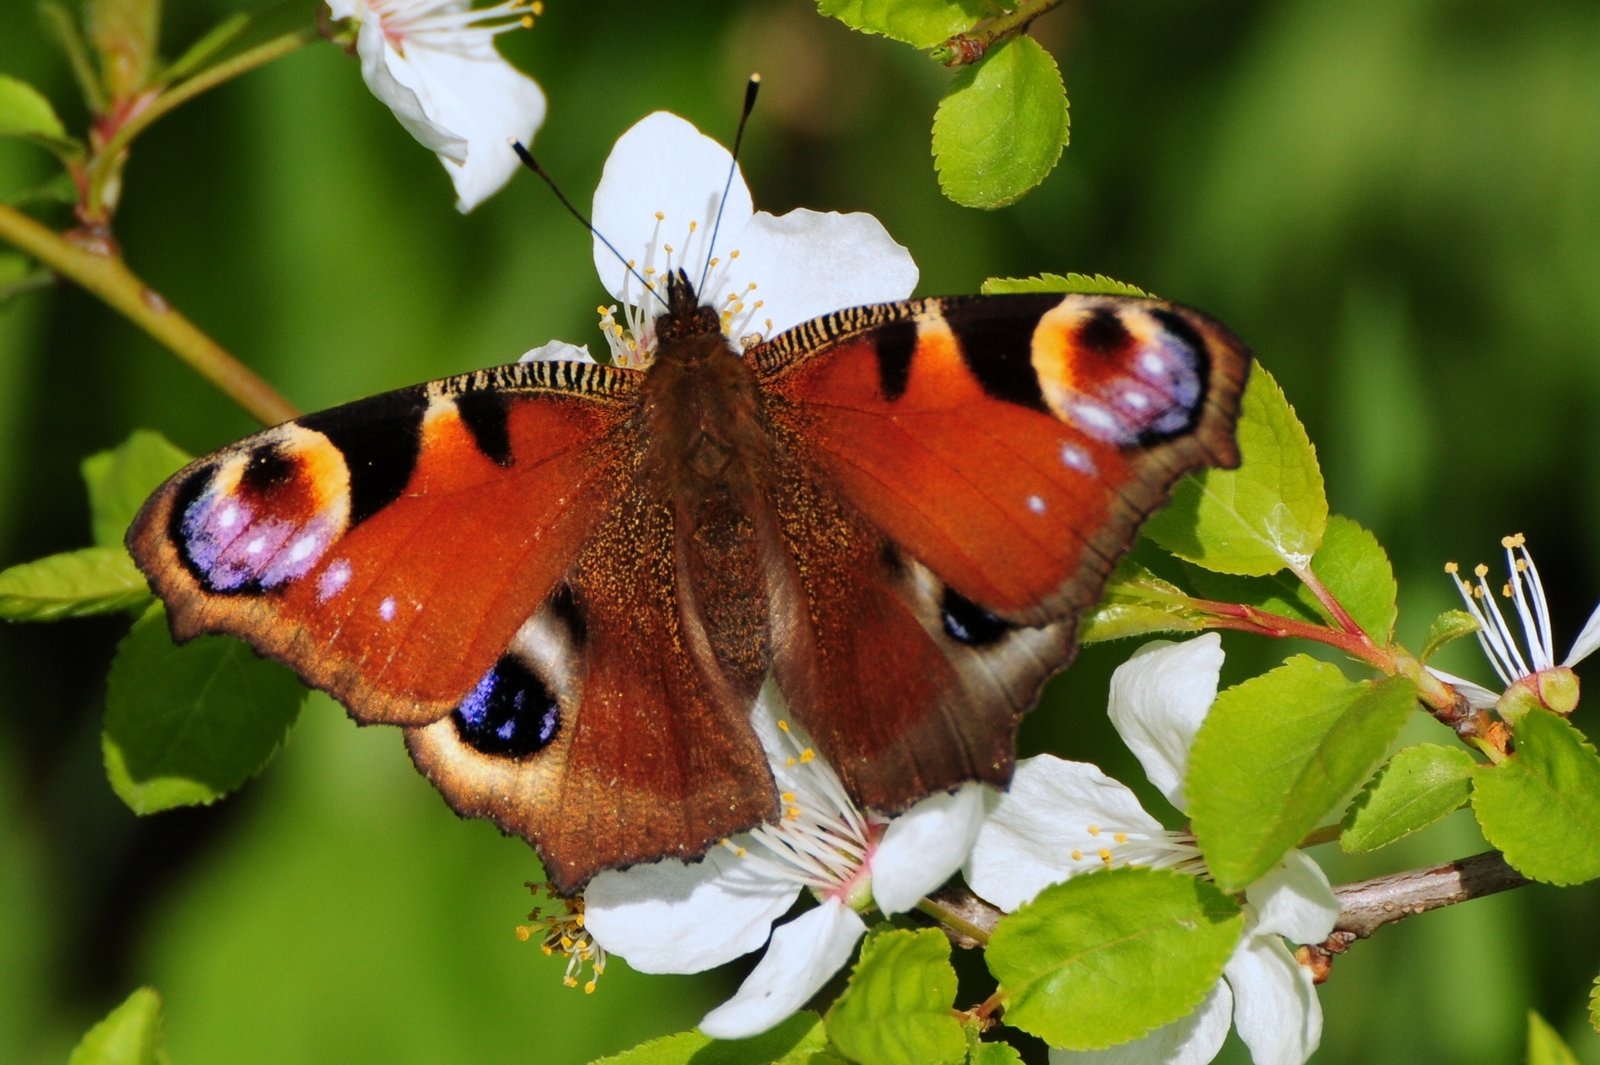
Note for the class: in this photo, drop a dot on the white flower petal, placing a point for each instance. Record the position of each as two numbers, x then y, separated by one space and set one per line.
1294 900
480 97
1159 697
1586 643
1028 841
393 81
1194 1040
802 956
663 163
810 263
1478 697
922 847
558 351
1275 1005
676 917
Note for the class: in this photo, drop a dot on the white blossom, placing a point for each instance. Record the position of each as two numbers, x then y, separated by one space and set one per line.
434 64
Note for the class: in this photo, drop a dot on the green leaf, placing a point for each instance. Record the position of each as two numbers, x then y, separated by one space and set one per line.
1001 125
800 1040
1104 958
131 1034
186 725
120 480
897 1007
993 1054
1541 805
1451 625
1545 1046
919 23
1594 1005
27 114
1137 603
1277 753
1417 787
1268 513
1353 567
1091 284
92 580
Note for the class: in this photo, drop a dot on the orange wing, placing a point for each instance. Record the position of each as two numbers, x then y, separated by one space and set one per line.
972 469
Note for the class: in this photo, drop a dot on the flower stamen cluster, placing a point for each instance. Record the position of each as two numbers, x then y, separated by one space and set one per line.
565 932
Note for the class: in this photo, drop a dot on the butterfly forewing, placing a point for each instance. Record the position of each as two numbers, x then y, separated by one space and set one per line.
389 549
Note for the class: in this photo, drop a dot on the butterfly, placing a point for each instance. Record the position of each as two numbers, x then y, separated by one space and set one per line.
568 581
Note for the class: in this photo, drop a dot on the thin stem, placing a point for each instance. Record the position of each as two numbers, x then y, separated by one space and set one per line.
958 914
1245 618
971 46
140 118
108 277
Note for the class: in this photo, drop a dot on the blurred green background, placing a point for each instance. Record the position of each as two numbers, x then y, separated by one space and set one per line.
1397 202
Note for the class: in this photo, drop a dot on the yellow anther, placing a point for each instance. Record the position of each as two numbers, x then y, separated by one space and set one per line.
694 224
1121 837
1094 830
1077 855
569 981
784 725
734 254
1521 565
524 933
1105 856
661 216
1451 568
538 7
1480 570
547 949
807 755
526 22
792 813
787 796
588 988
791 762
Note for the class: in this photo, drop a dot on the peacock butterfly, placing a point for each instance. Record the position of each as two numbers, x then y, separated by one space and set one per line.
567 581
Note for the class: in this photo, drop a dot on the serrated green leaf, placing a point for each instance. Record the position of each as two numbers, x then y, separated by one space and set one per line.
26 113
919 23
1541 805
1089 284
92 580
800 1040
1594 1005
993 1054
1545 1046
120 480
131 1034
897 1007
1417 787
1353 567
1104 958
1136 602
1268 513
1277 753
186 725
1001 126
1448 626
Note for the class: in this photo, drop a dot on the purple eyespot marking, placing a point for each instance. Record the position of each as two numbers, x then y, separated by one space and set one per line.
236 543
511 713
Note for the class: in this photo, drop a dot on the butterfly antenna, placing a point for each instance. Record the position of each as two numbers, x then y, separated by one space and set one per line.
533 164
750 89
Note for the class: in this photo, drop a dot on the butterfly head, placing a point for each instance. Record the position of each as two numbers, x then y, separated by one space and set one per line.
685 315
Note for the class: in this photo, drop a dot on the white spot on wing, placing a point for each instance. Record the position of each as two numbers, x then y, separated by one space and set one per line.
333 580
256 546
229 516
386 608
1036 504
